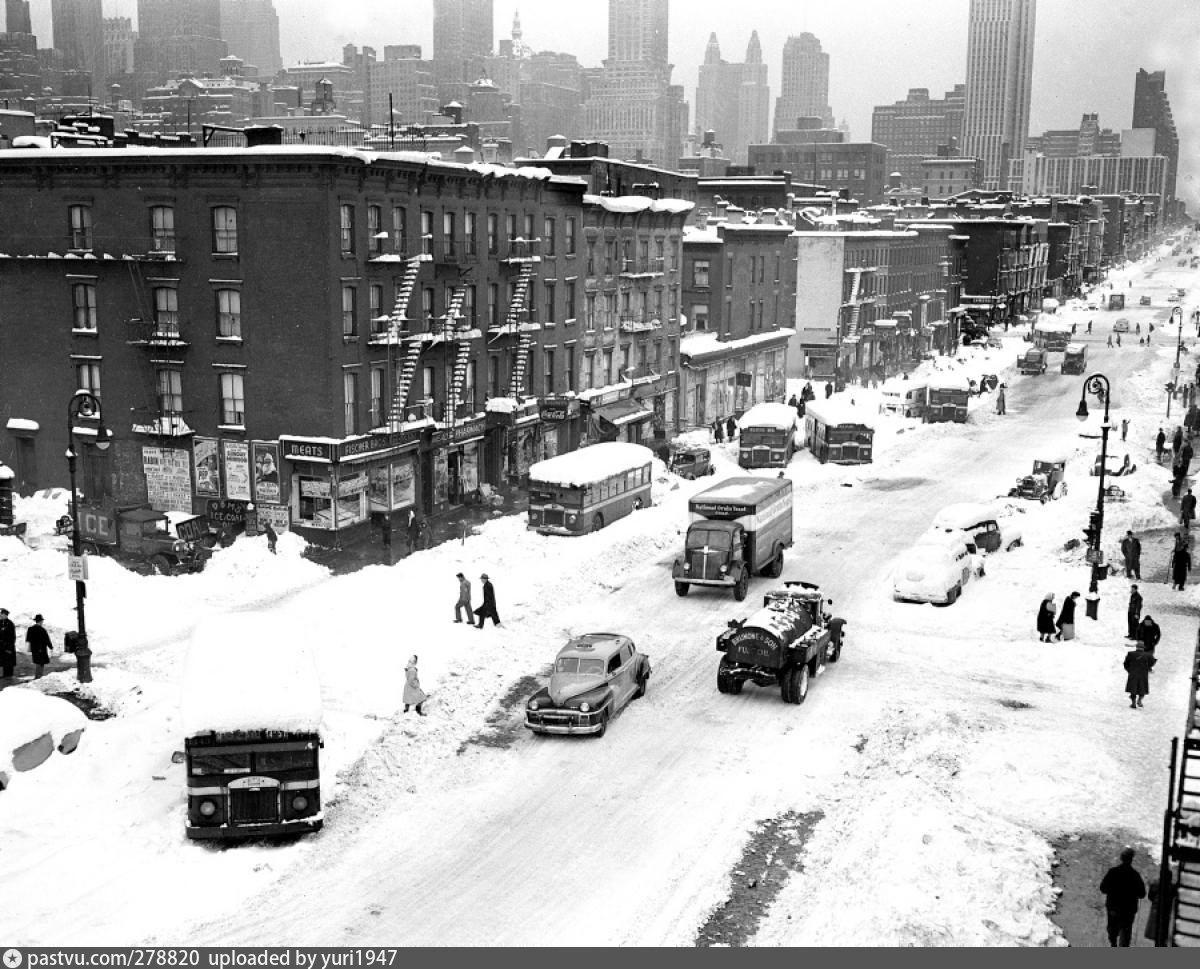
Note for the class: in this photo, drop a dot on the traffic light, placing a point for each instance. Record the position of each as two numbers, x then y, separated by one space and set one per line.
1093 529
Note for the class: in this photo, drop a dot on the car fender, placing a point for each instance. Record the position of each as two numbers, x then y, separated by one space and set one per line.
644 670
597 699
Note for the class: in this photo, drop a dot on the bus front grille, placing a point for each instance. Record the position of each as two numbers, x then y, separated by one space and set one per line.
251 806
553 516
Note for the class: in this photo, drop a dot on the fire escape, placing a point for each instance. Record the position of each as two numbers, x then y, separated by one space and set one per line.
513 325
855 306
404 348
1182 829
157 330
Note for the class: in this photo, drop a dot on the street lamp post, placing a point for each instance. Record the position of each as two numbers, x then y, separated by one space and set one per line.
83 404
1097 384
1173 386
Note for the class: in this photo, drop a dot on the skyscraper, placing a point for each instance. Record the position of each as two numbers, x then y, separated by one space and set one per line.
79 35
999 82
16 17
733 100
250 29
462 38
633 104
804 83
1152 109
179 37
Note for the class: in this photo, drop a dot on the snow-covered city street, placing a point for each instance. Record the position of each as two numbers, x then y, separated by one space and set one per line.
934 769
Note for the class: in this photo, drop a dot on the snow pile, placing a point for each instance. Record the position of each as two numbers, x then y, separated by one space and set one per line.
27 714
576 469
247 672
632 204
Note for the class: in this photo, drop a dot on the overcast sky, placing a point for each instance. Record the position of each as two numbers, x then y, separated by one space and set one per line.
1087 51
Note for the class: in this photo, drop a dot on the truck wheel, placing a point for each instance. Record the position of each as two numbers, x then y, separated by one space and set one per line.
835 652
160 565
1045 498
800 683
682 589
726 681
774 568
741 587
785 685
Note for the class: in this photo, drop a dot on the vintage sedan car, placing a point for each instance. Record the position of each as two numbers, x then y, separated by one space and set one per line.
595 675
991 526
1122 325
930 573
33 725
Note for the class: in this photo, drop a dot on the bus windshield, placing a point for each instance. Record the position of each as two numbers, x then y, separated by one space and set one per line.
224 763
713 538
771 437
548 494
575 664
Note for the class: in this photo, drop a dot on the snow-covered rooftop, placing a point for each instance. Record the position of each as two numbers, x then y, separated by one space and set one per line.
587 465
706 342
631 204
770 415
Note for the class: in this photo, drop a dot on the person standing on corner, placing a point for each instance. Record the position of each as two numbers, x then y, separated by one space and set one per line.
488 609
731 428
1066 618
414 696
1160 445
1187 509
464 597
828 390
1135 612
1001 401
1123 888
1138 663
1124 427
8 646
1177 440
1185 456
1131 552
1181 564
1045 618
39 646
719 431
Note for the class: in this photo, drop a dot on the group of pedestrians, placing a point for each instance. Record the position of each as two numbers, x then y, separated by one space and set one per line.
723 429
1052 629
36 638
801 403
487 609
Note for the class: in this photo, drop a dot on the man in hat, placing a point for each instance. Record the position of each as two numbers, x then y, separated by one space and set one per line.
8 646
1123 888
39 644
488 609
464 597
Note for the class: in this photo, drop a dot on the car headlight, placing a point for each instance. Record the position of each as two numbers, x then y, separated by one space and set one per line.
584 707
179 547
533 705
724 569
687 566
208 808
299 802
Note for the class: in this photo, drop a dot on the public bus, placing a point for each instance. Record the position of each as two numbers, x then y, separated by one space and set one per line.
1051 335
584 490
838 432
768 436
948 397
251 716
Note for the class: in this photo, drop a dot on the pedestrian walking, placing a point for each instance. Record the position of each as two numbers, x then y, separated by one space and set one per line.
40 646
1110 343
1135 612
464 598
414 696
1001 401
1045 618
1066 618
1160 444
828 390
1138 664
1177 476
1118 339
8 646
1186 453
1181 565
1148 634
1187 509
418 533
1124 428
488 609
1138 328
1089 326
1131 551
793 402
1177 440
731 428
272 536
718 430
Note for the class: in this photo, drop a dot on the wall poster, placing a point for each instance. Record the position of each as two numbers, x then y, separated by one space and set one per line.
168 478
208 467
237 470
266 472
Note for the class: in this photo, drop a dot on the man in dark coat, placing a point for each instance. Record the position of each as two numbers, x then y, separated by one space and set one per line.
793 402
1148 633
1187 509
1181 565
731 428
1160 444
39 644
1138 664
1066 618
1123 888
1185 456
8 646
488 609
1177 440
1131 551
719 431
828 390
1135 612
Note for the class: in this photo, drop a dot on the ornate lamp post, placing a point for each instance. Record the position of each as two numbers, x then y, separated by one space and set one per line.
1097 384
83 404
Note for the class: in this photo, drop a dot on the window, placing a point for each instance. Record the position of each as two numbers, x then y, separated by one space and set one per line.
510 226
549 287
376 417
591 258
606 374
589 371
658 356
350 395
170 392
659 258
570 235
87 377
233 399
162 228
399 229
467 396
347 227
569 364
79 219
548 235
610 256
427 233
166 311
470 233
375 230
529 236
700 315
448 232
729 272
610 310
493 231
589 312
548 373
625 359
493 307
570 294
427 376
468 305
225 238
83 296
643 255
700 272
349 321
378 317
427 297
493 387
229 314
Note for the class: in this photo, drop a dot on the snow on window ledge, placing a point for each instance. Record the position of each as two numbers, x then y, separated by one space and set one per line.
78 332
232 428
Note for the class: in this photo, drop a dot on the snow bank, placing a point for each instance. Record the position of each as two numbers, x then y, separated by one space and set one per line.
27 714
578 468
247 672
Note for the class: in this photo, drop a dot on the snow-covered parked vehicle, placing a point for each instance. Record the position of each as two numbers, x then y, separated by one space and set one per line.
785 643
595 676
955 541
933 573
1046 481
991 526
33 725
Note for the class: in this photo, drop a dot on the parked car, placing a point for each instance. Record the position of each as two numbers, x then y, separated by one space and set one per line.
33 725
928 573
691 462
993 527
1144 301
956 541
594 677
1121 326
1044 483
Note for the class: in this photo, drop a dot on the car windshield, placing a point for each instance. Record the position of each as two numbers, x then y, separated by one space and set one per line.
580 665
712 538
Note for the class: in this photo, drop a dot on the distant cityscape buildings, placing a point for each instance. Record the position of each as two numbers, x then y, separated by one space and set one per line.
179 37
916 128
803 83
462 41
733 100
999 84
250 29
79 36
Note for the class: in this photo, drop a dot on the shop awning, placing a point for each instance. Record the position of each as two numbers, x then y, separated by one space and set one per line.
623 412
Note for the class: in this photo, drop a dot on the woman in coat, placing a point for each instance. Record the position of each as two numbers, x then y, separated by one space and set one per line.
1066 618
1138 664
1045 618
413 694
39 644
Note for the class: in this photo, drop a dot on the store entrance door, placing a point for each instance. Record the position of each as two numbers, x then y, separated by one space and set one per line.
454 476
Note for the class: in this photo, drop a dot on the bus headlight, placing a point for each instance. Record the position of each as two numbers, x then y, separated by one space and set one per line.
724 569
571 519
208 808
299 803
584 707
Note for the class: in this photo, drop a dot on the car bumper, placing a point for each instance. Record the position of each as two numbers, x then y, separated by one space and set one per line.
564 721
920 595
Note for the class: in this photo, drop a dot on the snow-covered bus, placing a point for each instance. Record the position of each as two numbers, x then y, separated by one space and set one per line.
948 397
769 433
584 490
251 716
839 432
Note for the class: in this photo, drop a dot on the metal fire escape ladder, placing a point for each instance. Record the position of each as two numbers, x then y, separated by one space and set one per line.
143 325
1184 846
855 308
512 324
405 368
462 352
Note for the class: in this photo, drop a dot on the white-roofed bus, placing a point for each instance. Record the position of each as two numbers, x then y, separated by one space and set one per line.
251 716
584 490
769 436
